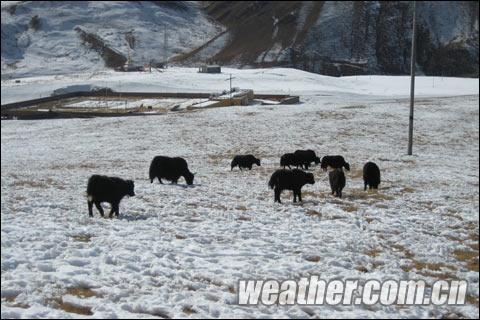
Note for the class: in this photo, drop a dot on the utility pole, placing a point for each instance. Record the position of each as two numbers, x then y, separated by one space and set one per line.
230 78
165 56
231 89
412 86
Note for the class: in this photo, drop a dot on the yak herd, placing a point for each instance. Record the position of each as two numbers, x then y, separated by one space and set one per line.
112 189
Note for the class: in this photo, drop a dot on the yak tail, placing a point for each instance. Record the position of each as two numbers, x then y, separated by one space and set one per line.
273 180
90 184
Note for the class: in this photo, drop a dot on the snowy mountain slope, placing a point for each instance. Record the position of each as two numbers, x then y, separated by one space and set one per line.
327 37
179 251
55 47
350 37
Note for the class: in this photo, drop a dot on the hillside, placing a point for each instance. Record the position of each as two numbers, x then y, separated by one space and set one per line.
327 37
89 36
347 38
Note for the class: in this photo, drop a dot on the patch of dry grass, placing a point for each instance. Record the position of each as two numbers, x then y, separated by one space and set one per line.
404 251
362 269
373 253
369 220
58 303
356 173
408 190
11 302
350 208
37 184
470 258
313 213
312 258
189 310
83 292
472 300
354 107
371 197
86 165
82 238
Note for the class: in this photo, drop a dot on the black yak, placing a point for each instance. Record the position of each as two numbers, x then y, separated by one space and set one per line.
371 175
290 159
337 181
290 180
244 161
107 189
170 169
334 162
307 157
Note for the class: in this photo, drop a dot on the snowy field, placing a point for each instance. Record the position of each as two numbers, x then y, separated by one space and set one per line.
275 80
119 103
178 251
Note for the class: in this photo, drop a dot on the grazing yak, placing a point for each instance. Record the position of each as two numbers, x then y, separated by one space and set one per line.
290 159
107 189
244 161
337 181
290 180
307 157
170 169
371 175
334 162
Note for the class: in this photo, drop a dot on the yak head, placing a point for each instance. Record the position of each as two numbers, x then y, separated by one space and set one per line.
257 161
130 187
347 166
324 164
189 178
309 178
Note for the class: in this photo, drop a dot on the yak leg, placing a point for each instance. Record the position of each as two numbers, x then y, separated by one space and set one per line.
365 186
99 208
160 180
112 210
90 205
299 195
294 196
277 195
117 209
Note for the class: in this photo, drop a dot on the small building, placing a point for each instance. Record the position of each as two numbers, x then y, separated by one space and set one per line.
210 69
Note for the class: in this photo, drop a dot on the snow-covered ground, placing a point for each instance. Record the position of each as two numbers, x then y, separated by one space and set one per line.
114 104
179 251
275 80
